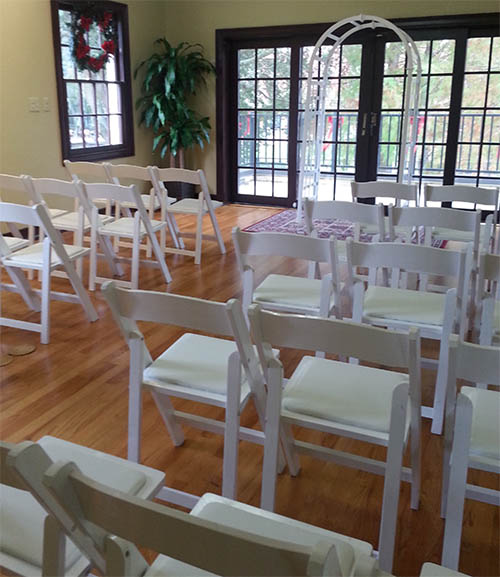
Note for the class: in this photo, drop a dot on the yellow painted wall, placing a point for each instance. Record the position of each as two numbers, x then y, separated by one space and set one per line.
30 141
197 20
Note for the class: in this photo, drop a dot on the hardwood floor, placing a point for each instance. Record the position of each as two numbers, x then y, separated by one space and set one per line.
76 388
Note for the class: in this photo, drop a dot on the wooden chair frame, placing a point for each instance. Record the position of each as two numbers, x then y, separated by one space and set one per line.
295 246
107 525
477 364
223 319
425 261
205 205
343 338
142 227
37 216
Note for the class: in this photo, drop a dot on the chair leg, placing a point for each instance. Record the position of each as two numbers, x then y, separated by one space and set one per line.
135 399
292 458
45 314
160 258
392 478
109 254
232 428
80 291
457 484
93 258
167 413
136 248
271 440
24 288
199 237
215 226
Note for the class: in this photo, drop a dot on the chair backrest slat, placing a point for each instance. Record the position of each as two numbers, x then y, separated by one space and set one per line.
478 363
345 338
82 170
384 189
52 186
435 216
283 244
115 192
18 213
130 171
9 182
176 175
164 308
342 210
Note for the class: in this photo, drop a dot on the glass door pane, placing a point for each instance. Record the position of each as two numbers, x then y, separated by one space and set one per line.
263 121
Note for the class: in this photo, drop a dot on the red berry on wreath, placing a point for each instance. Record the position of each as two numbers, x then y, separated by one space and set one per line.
108 46
85 23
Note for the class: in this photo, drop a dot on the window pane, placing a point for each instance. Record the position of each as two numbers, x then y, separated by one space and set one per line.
103 126
67 63
478 52
280 154
101 94
439 91
433 160
246 182
88 98
94 37
492 126
490 160
392 96
280 184
333 65
351 60
281 125
64 22
73 98
265 62
389 126
424 48
495 56
246 150
75 132
264 156
394 58
474 90
89 131
246 127
114 100
349 93
348 126
246 63
436 128
471 122
388 158
82 74
306 54
494 90
283 62
346 154
332 95
282 94
442 56
246 94
265 93
265 125
264 183
110 70
467 159
115 128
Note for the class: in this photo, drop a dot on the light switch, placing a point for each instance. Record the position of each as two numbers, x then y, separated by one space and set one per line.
34 104
45 104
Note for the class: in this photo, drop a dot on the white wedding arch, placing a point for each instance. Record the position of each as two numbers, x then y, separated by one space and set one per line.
314 116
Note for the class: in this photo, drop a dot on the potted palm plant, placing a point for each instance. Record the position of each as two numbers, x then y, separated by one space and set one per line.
172 75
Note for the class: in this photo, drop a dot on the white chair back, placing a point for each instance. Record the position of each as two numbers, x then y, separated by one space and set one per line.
385 189
83 170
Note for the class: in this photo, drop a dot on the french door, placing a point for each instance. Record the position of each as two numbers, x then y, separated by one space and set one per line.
262 110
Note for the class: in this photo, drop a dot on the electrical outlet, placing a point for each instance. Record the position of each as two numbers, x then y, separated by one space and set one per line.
34 104
45 104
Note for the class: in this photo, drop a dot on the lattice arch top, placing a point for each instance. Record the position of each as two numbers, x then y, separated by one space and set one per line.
314 116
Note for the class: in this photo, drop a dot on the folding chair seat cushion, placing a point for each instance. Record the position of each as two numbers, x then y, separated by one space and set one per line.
195 362
24 517
289 291
191 206
344 393
32 256
404 305
125 227
270 525
15 243
485 430
71 221
55 212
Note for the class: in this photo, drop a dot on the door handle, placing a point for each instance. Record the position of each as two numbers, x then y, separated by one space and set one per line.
363 127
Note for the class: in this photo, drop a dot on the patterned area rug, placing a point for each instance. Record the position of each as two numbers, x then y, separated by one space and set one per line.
285 221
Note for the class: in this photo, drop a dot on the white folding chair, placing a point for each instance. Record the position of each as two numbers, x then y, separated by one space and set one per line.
135 228
373 405
420 222
487 322
45 256
91 172
384 192
218 537
23 519
472 437
463 196
284 292
196 367
436 315
189 206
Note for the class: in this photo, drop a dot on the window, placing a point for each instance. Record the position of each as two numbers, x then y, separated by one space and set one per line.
261 84
95 108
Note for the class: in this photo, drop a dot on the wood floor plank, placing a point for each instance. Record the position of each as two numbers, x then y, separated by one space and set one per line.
76 388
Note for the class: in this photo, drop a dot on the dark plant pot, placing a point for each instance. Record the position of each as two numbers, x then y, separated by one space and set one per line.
181 190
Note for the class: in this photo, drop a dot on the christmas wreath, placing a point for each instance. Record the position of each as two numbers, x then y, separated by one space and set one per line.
82 19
